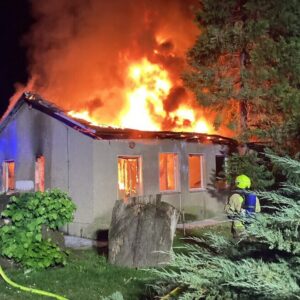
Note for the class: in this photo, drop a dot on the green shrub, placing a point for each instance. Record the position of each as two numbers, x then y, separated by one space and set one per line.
22 240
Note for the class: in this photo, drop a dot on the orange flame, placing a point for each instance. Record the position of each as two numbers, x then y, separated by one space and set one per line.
148 85
108 73
84 114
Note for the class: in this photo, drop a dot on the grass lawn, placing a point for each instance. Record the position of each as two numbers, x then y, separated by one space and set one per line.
88 276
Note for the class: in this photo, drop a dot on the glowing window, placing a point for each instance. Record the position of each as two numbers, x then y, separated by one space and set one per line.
40 174
195 171
168 164
129 179
8 176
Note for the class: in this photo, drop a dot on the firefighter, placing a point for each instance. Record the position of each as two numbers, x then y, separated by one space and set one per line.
241 205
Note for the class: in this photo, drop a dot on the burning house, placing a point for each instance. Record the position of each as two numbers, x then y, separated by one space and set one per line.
117 63
42 147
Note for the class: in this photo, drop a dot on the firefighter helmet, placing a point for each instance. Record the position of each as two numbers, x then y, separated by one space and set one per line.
243 182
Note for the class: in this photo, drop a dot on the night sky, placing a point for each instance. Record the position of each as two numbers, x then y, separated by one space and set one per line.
15 21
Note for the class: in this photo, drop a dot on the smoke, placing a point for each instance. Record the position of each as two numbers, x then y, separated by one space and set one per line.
79 51
176 96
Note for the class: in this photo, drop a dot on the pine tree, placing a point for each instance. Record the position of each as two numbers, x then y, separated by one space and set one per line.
245 65
254 165
263 264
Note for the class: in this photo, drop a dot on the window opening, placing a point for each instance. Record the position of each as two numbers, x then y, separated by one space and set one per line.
221 182
168 171
40 174
195 171
129 176
8 176
220 166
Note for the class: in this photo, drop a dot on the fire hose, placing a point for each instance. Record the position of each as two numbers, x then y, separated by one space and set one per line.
30 290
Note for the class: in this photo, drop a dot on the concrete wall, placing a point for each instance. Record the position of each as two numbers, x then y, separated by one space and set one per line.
203 203
81 184
67 155
19 141
88 169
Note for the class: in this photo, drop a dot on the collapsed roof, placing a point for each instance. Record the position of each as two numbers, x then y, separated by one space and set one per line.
105 132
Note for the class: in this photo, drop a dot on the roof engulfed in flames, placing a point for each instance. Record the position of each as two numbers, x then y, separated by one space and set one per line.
148 86
106 132
116 62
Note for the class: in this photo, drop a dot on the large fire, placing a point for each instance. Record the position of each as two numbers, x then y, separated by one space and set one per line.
148 85
116 63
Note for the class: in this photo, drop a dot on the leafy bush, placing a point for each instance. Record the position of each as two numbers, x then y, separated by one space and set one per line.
22 239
